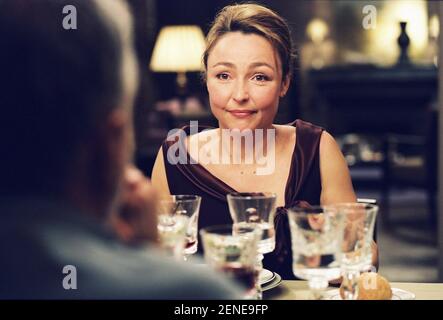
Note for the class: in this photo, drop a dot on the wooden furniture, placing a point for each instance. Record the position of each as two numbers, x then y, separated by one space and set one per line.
372 100
390 107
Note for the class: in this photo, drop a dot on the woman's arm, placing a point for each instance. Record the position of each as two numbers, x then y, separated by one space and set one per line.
159 179
336 180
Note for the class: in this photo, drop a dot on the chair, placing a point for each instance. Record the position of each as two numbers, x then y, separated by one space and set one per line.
412 162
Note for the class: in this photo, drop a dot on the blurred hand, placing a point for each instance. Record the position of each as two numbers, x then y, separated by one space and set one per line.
135 220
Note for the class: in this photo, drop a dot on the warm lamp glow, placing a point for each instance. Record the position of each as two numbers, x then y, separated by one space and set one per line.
178 49
317 30
383 46
434 26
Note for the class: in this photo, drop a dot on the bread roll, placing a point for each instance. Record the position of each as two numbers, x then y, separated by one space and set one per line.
371 286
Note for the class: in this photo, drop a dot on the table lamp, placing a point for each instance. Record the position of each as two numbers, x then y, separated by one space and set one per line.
319 50
178 49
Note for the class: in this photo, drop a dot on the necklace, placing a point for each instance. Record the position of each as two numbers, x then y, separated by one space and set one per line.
242 172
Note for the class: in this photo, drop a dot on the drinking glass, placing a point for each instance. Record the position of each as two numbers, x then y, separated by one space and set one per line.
356 250
316 238
171 233
189 206
255 210
234 252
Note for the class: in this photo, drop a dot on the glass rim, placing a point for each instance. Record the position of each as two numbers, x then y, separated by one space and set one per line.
180 219
326 212
350 205
211 230
335 206
171 198
251 195
311 210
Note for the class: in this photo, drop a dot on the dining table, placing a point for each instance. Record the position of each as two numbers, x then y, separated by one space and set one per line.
299 290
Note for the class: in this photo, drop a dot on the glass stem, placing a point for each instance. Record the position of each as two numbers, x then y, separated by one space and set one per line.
259 268
318 285
350 284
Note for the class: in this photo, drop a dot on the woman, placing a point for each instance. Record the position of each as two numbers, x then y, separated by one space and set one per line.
248 67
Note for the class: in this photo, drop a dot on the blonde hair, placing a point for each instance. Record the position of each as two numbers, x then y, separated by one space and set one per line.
256 19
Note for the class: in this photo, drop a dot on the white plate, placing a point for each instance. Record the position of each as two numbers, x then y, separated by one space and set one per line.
397 294
266 276
274 283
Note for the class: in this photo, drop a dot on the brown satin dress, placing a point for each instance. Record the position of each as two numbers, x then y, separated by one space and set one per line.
303 188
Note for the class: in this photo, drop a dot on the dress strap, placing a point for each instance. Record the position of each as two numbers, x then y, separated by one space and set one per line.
306 151
194 172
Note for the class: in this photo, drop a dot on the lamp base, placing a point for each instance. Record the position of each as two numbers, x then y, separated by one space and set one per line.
182 83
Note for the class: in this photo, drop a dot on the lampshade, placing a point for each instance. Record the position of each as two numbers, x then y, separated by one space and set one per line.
317 30
178 49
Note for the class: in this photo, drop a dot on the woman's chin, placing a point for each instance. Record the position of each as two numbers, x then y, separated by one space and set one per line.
241 124
241 127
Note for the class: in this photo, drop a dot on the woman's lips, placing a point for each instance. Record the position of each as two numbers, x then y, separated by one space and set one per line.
242 113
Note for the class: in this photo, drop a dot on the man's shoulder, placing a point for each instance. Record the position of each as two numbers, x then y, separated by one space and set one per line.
179 281
99 265
121 272
165 278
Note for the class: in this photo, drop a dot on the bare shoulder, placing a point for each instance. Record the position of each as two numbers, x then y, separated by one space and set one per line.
331 157
286 132
335 177
328 144
287 129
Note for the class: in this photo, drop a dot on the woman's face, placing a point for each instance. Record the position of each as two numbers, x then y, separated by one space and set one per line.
244 81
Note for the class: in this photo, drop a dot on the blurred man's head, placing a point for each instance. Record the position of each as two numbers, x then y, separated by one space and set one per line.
65 99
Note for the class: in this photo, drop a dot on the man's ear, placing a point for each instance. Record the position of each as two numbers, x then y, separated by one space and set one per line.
285 86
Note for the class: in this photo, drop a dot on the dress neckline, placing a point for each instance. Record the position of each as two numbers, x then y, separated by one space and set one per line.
227 186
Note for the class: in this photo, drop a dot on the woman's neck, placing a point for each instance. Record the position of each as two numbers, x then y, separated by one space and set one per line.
247 147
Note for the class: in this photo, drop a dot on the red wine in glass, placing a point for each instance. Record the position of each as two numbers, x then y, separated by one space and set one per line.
245 275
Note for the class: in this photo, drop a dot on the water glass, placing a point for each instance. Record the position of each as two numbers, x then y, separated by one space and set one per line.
234 253
357 245
189 206
255 210
316 238
171 233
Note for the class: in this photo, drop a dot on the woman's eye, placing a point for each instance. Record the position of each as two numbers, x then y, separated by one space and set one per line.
261 77
222 76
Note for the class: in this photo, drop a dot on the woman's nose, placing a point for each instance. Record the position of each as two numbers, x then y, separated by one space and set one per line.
240 93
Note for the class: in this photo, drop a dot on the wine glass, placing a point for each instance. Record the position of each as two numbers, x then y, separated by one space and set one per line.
189 206
316 238
356 250
255 210
233 251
